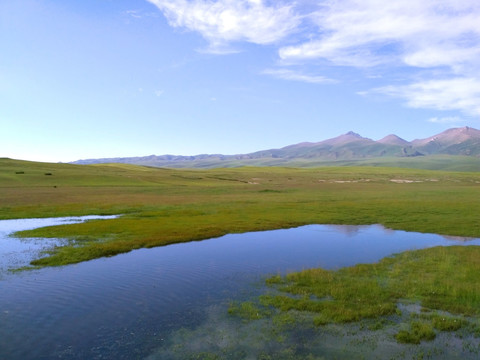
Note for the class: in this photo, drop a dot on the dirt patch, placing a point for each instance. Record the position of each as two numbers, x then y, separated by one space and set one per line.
405 181
345 181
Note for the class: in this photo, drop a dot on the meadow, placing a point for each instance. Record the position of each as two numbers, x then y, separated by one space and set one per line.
409 298
161 206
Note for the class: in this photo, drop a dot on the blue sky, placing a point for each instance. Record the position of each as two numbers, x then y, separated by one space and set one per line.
109 78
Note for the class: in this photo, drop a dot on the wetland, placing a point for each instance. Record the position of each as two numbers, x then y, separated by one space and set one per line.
191 268
195 300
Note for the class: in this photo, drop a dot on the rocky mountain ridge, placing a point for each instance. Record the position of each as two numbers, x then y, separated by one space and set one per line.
350 146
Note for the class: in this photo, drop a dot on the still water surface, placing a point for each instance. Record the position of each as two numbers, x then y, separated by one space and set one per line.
15 253
128 306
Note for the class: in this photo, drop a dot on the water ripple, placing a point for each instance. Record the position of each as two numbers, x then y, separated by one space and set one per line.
123 307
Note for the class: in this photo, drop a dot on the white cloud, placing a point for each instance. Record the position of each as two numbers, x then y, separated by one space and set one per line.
159 93
416 33
225 21
434 40
287 74
445 120
445 94
134 13
437 40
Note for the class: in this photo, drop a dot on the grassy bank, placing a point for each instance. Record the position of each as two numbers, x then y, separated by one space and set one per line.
163 206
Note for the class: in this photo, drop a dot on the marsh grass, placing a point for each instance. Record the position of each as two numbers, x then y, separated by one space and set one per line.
292 335
443 281
418 331
164 206
248 310
442 322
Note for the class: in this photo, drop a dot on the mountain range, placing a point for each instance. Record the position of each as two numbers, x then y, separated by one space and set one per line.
346 149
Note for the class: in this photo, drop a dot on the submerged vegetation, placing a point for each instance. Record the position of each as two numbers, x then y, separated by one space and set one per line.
432 312
439 278
409 298
164 206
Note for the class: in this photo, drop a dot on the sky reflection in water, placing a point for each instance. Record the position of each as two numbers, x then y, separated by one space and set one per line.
127 306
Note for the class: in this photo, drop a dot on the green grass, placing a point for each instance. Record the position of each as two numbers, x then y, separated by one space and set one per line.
417 332
431 162
164 206
247 310
447 323
422 327
443 280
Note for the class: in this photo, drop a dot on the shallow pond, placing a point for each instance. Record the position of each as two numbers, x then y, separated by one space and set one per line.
15 253
149 303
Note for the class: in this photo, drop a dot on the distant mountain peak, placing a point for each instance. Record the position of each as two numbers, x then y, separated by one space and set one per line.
393 139
344 139
349 146
450 136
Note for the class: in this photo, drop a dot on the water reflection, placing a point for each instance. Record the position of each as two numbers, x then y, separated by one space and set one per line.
18 252
133 305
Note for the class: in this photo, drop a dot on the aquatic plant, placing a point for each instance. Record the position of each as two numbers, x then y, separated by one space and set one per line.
416 332
442 279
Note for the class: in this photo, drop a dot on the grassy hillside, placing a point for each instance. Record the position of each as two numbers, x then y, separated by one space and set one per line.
430 162
455 149
163 206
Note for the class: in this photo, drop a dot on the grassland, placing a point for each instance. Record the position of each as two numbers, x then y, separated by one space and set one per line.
164 206
430 162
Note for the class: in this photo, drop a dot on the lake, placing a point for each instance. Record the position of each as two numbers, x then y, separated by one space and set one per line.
150 302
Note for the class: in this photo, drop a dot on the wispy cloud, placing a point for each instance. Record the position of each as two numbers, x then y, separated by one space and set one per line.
434 40
446 120
134 13
370 32
224 21
288 74
139 14
445 94
437 40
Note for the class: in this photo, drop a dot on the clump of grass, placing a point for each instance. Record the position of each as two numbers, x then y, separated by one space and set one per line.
445 278
276 279
247 311
379 324
442 321
447 323
418 331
